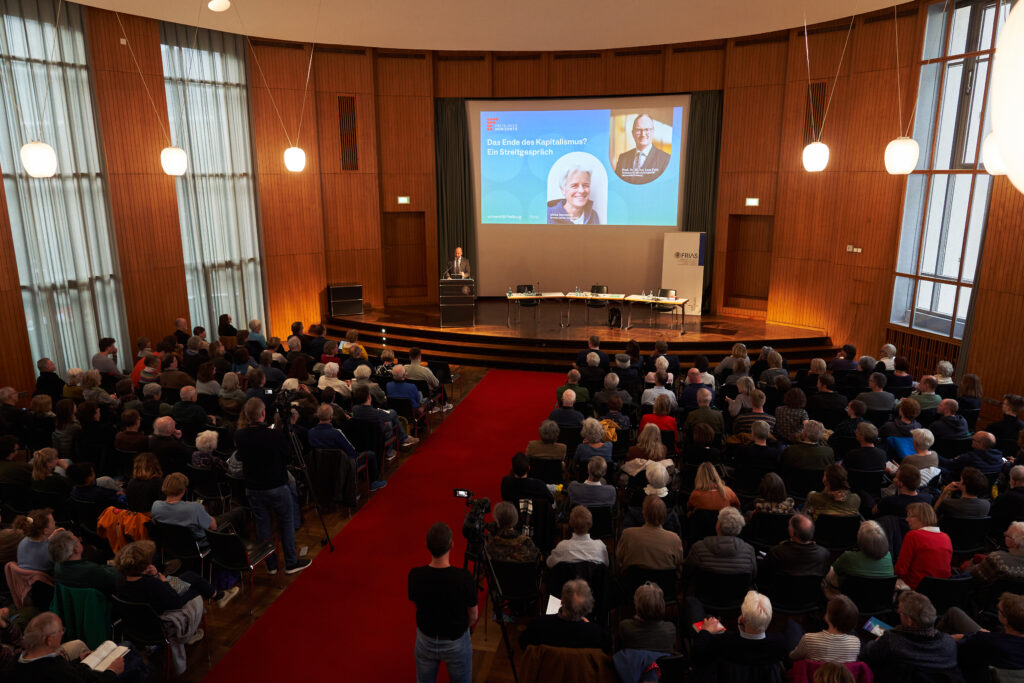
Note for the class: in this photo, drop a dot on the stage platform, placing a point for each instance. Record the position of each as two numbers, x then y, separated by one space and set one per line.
540 342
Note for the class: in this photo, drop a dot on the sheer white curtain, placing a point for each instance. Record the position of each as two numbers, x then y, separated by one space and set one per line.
63 235
208 105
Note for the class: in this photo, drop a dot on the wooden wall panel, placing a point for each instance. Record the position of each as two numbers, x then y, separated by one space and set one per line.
751 119
405 129
999 303
350 198
520 74
757 61
17 367
291 213
462 75
691 69
148 233
577 73
634 72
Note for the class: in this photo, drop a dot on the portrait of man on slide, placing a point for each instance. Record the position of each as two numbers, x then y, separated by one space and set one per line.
645 162
576 205
458 267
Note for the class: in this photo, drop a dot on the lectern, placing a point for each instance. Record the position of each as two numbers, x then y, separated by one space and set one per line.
458 302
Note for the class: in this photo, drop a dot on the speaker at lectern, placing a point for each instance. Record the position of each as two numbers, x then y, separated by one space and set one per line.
458 302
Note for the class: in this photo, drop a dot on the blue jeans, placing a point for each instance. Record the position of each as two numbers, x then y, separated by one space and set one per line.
457 654
280 502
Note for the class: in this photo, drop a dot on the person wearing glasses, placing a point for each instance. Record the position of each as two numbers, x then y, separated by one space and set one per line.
645 162
1002 565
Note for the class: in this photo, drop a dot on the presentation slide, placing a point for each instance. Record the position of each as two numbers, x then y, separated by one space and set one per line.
581 166
576 192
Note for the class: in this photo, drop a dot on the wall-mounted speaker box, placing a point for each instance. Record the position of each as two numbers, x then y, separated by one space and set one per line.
345 299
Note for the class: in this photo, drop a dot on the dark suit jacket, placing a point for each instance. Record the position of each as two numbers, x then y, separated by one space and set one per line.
462 270
654 165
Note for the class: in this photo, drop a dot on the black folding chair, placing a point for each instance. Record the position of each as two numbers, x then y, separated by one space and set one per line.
548 470
16 498
801 482
968 535
721 593
950 448
947 390
591 303
604 522
796 594
570 436
766 529
873 596
597 576
209 484
634 577
971 416
517 584
868 481
231 553
403 406
139 624
955 591
178 542
878 417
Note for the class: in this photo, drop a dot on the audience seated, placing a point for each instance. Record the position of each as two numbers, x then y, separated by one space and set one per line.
877 398
845 360
37 528
388 419
1002 565
179 512
593 444
743 421
611 388
926 550
855 411
971 486
45 477
1010 425
69 569
519 484
13 468
46 658
725 552
709 491
507 544
808 453
650 546
647 630
565 415
593 492
146 485
1009 506
131 438
914 645
925 395
167 446
837 643
905 422
867 457
569 627
741 402
572 383
791 415
325 435
983 455
694 383
826 400
771 496
797 556
103 491
835 498
547 446
978 649
580 547
661 414
748 644
704 414
907 481
871 559
660 388
949 425
593 346
660 365
703 446
592 374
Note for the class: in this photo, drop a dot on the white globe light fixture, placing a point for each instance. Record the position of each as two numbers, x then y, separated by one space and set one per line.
39 159
219 5
294 159
815 157
1008 96
901 155
991 157
174 160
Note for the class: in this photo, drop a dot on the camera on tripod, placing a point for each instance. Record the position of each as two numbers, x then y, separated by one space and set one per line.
475 528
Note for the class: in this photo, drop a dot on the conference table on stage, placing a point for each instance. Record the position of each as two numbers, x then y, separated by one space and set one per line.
570 297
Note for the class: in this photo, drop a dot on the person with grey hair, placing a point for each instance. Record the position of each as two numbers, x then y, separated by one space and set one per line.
49 382
565 415
256 333
575 207
1002 565
694 384
69 569
547 446
749 644
592 374
704 414
330 379
914 647
324 435
611 388
647 630
356 358
593 443
725 552
570 626
400 388
887 356
361 377
46 658
944 372
594 492
870 560
628 372
195 355
508 544
809 453
166 444
572 383
187 413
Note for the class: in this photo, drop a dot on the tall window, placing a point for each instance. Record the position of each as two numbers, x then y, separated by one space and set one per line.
207 103
63 238
947 195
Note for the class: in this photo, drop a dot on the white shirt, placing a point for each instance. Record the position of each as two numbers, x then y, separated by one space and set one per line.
579 548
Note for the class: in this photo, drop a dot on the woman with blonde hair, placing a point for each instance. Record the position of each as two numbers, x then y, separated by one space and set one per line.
725 368
648 445
741 404
44 475
32 552
709 491
230 388
92 391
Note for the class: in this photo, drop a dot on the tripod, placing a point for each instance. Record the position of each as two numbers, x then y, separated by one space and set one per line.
284 411
482 568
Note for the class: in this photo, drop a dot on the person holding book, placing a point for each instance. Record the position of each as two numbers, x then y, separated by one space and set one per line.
46 659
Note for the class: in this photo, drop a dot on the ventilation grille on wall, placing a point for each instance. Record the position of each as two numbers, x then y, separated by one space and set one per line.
349 135
814 112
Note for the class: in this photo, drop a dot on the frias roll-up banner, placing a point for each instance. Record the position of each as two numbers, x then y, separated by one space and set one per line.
682 267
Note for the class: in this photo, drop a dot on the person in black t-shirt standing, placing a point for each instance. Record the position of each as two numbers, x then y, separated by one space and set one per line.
446 608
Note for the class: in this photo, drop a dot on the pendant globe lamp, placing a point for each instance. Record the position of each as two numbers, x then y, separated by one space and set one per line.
219 5
1008 96
174 161
39 159
816 154
991 156
815 157
295 159
901 155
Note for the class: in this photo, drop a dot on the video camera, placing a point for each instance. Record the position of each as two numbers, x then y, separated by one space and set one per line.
475 527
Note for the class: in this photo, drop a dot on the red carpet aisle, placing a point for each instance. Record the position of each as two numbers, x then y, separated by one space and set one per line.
348 617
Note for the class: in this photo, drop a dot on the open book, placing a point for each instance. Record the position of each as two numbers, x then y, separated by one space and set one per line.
102 657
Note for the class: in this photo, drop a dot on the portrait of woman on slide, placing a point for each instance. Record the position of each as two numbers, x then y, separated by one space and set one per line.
576 205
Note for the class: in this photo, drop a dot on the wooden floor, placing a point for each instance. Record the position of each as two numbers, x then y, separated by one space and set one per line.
540 341
225 626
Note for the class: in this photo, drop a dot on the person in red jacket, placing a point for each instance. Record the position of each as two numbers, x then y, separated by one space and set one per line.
926 551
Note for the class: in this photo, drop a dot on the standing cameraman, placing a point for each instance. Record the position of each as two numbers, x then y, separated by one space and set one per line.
264 455
446 607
